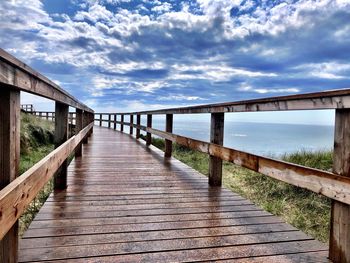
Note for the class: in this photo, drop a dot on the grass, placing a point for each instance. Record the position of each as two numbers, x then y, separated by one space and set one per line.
36 143
301 208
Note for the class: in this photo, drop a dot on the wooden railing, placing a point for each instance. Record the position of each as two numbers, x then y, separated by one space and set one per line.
16 192
27 107
335 185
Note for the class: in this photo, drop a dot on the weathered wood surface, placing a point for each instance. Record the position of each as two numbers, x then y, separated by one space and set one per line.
332 99
126 203
17 195
9 164
61 136
15 73
168 128
339 243
217 138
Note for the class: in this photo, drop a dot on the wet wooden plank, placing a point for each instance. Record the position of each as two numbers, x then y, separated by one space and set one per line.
213 253
126 203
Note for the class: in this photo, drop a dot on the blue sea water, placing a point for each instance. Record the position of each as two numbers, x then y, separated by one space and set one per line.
267 139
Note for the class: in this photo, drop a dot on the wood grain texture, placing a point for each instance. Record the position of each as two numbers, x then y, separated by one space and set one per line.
216 137
15 73
16 196
61 136
131 124
126 203
9 164
149 125
78 128
138 122
168 128
339 243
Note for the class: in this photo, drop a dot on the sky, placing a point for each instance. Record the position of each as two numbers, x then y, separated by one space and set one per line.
122 55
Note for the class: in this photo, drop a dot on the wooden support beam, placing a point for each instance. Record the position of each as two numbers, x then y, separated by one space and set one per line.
92 120
121 124
109 120
85 123
78 128
216 137
61 136
100 119
168 128
9 161
339 244
131 122
138 122
149 125
115 122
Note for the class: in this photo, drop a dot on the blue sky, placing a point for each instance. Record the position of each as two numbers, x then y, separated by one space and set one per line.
121 55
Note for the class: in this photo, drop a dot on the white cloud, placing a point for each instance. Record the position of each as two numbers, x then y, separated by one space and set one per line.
247 88
179 97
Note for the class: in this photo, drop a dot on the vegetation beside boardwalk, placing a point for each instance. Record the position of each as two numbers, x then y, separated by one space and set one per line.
37 141
301 208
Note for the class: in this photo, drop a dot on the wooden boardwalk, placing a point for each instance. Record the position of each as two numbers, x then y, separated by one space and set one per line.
126 203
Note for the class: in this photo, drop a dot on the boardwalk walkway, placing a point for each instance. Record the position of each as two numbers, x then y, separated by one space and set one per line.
126 203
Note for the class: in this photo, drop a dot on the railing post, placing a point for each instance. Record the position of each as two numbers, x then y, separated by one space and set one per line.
138 122
85 123
339 243
61 135
47 115
115 122
100 119
131 123
78 128
91 118
217 137
149 125
168 128
10 109
122 123
109 120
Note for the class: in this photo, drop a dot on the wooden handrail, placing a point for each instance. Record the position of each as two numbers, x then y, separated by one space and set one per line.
16 74
17 195
333 99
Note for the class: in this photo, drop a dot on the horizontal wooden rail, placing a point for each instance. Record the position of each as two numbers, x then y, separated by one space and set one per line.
334 99
17 195
16 74
328 184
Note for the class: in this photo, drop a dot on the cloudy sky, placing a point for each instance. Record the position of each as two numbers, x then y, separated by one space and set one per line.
119 55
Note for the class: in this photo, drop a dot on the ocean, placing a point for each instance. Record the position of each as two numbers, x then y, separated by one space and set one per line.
267 139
